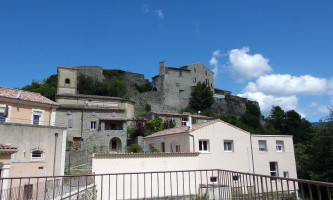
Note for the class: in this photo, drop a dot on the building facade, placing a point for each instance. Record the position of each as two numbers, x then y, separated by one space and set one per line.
94 123
37 146
175 84
18 106
211 145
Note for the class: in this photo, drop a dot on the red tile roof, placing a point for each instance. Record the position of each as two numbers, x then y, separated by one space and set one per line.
25 96
7 147
183 129
112 119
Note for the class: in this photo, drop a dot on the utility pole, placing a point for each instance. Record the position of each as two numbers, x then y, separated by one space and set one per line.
55 152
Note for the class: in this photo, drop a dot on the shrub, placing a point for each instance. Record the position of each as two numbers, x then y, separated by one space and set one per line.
134 148
143 88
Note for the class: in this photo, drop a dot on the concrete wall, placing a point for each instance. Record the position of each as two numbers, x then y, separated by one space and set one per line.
30 137
285 158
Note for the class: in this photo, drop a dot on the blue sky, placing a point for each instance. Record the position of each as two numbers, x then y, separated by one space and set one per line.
276 52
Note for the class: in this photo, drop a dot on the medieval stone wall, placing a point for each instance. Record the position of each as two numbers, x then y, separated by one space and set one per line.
94 72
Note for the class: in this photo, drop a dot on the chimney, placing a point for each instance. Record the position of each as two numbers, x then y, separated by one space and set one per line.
189 123
162 68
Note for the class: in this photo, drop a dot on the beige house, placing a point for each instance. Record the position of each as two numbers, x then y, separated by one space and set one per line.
18 106
210 145
6 152
27 121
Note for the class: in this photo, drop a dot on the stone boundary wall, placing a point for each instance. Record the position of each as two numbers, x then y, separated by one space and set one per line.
94 72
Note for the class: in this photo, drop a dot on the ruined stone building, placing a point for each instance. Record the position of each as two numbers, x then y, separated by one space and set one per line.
94 123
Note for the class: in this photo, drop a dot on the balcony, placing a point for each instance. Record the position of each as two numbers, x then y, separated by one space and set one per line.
190 184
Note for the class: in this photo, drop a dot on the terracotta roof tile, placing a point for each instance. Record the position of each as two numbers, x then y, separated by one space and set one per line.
112 119
7 147
25 96
183 129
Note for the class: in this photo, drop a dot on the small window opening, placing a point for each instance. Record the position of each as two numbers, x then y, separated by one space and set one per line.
67 81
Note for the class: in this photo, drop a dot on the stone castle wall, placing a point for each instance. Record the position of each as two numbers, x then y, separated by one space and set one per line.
94 72
177 94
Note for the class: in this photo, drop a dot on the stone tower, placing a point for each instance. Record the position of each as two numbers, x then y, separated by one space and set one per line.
67 80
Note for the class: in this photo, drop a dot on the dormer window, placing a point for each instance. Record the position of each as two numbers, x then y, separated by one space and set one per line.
67 81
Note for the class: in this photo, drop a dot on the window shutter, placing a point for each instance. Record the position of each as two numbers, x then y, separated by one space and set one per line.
70 123
5 114
88 125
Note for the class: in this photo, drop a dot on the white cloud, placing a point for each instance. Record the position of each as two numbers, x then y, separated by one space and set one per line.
214 62
217 53
330 86
332 101
145 8
244 66
287 85
267 101
323 110
160 14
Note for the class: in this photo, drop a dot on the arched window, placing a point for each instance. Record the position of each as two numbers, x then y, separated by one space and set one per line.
37 154
67 81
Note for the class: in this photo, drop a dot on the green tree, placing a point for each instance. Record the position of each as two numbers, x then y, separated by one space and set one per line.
47 88
201 97
252 115
155 125
118 88
276 119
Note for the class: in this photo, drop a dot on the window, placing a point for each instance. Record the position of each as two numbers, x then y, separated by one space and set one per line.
206 73
194 80
70 123
273 168
178 148
204 145
113 125
37 154
279 146
213 179
228 146
207 82
92 125
184 121
262 145
138 78
286 174
195 70
2 118
180 74
162 147
177 84
67 81
37 117
4 110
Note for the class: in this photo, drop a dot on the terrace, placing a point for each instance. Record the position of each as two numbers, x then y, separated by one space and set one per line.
190 184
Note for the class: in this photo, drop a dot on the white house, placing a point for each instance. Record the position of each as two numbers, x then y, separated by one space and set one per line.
209 145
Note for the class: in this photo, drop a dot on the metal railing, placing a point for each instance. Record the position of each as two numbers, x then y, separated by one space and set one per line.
189 184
